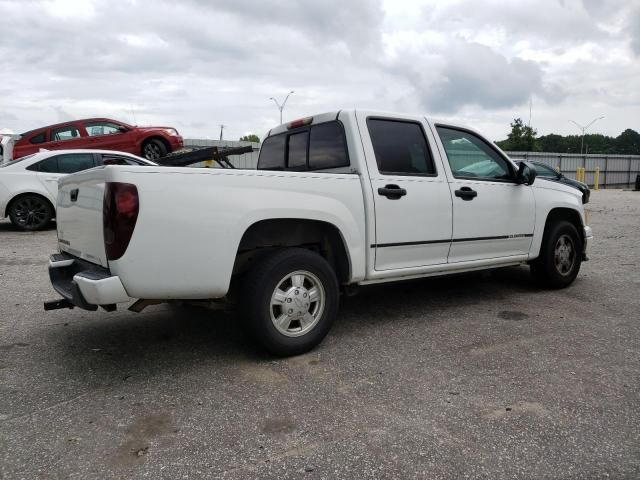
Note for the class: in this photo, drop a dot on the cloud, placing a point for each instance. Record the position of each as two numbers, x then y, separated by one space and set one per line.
471 74
196 64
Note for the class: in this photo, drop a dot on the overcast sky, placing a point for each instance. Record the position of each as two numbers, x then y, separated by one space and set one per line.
196 64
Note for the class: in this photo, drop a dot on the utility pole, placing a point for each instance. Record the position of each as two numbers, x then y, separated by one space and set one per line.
583 129
281 106
221 129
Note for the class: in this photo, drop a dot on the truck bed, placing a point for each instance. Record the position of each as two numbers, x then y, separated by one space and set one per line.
191 221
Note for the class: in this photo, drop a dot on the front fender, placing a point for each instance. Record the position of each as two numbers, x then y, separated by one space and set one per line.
550 196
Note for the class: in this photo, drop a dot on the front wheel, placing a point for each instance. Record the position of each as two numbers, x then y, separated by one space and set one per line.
153 149
290 301
560 256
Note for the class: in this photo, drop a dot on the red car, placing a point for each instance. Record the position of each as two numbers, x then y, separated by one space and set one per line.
100 133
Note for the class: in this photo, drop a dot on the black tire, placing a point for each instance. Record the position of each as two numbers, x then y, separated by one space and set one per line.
30 212
154 149
260 315
560 256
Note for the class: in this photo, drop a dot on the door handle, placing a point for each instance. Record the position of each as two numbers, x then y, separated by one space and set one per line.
466 193
74 194
392 192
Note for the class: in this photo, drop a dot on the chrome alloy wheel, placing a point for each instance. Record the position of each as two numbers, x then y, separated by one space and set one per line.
297 303
564 255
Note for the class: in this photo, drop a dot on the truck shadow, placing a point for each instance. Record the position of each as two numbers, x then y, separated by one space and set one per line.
165 339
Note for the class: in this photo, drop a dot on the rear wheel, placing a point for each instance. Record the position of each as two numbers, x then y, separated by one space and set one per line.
290 301
154 149
560 256
30 212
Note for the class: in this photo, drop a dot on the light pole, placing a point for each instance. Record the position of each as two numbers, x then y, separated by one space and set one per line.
281 106
583 129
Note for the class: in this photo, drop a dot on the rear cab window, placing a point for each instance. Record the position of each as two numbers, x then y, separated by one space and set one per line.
318 147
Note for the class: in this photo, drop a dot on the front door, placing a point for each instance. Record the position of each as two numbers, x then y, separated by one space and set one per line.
411 195
493 217
105 135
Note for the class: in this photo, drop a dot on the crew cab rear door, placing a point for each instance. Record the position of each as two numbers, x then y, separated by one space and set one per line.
413 211
493 216
67 136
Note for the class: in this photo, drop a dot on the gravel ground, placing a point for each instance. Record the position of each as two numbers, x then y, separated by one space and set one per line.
480 376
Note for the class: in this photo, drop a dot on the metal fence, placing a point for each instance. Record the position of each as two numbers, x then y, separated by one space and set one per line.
247 160
615 170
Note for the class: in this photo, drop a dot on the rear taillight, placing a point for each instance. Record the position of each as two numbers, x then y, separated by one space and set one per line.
119 215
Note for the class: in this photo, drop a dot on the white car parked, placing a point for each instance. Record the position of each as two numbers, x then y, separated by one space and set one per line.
29 185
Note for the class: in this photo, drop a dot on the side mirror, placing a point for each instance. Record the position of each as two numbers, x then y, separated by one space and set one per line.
122 129
526 173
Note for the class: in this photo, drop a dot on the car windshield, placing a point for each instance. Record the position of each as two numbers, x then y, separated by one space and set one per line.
13 162
542 170
545 171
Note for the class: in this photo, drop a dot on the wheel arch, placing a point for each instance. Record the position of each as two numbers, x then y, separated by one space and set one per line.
556 214
155 137
320 236
564 213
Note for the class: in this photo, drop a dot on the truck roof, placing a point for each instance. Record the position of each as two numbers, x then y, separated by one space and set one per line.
333 115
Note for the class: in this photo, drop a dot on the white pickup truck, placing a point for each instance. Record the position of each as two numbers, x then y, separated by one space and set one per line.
338 199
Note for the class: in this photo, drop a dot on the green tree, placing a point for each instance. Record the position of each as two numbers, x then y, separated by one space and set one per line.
628 142
553 143
252 137
522 138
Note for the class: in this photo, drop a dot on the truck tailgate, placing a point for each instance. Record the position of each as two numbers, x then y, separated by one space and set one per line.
79 215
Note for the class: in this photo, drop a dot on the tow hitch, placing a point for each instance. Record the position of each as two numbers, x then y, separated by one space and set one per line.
58 304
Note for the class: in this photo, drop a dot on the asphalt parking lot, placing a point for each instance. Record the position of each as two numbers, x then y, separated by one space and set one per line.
481 376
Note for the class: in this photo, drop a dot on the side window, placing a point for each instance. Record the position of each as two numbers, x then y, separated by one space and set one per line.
327 147
75 162
272 153
297 151
119 160
40 138
400 147
64 133
49 165
96 129
471 157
